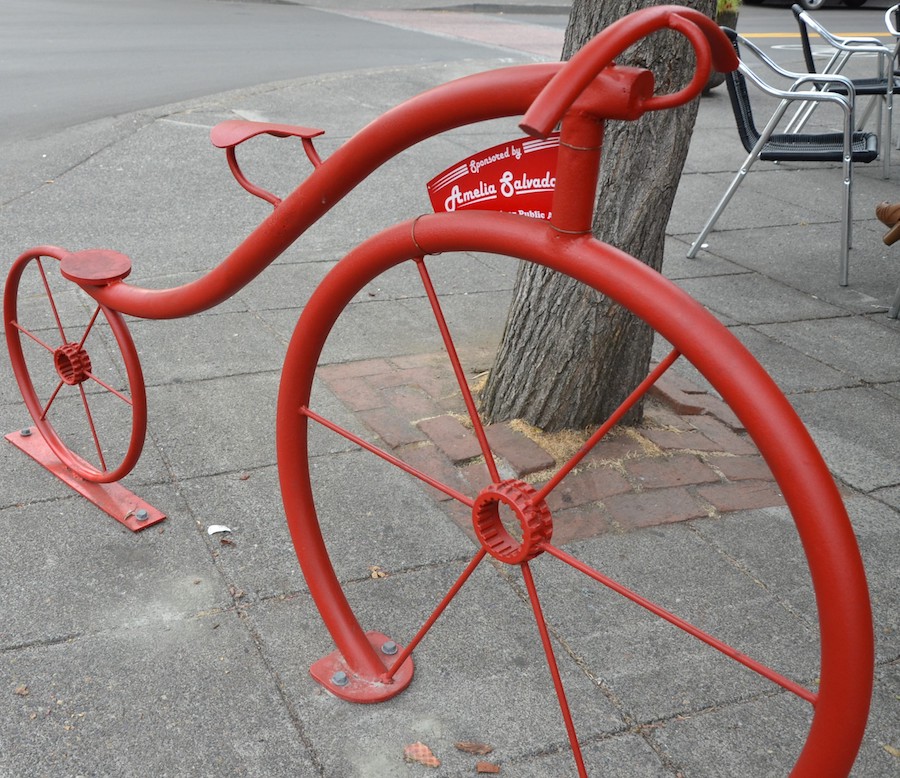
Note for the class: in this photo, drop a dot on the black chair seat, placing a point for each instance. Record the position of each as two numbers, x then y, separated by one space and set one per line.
824 147
865 87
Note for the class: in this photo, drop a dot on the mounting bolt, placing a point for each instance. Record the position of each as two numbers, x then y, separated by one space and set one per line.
141 514
25 433
389 648
340 678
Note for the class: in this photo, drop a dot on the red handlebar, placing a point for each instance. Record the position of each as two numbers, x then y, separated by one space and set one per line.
710 45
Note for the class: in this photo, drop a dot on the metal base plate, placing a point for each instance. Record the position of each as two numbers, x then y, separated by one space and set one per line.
355 689
114 499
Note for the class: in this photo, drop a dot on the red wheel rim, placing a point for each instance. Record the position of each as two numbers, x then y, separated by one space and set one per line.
67 349
840 706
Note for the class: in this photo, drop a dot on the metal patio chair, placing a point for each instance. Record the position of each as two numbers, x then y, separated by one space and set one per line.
846 147
881 87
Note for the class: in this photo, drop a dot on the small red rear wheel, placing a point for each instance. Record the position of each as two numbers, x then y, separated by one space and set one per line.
77 369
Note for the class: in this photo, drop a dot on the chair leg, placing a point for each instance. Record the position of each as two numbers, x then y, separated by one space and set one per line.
717 211
883 103
883 117
895 305
846 223
885 139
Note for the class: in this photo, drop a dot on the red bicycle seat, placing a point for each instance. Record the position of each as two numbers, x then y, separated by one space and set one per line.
236 131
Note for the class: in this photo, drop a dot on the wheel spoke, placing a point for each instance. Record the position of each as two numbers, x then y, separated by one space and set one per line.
611 422
46 408
554 668
124 397
50 298
657 610
442 605
87 331
90 326
93 428
31 335
458 371
459 496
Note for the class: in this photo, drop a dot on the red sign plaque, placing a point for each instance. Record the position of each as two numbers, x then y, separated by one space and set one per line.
515 177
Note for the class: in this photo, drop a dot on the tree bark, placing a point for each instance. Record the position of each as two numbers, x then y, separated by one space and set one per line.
569 356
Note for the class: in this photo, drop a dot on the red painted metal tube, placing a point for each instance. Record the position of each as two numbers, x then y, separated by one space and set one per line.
711 47
496 94
484 96
469 100
847 652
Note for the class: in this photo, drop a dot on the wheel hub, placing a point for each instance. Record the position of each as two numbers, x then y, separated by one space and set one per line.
72 363
512 500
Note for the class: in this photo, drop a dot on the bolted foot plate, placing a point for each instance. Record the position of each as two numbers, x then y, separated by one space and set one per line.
337 677
114 499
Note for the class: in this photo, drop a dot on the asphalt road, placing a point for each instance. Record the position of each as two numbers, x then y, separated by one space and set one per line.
63 63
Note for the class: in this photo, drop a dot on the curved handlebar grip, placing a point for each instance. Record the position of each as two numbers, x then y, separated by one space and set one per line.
710 45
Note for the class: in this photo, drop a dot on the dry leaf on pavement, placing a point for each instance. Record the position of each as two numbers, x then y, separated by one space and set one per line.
471 747
419 752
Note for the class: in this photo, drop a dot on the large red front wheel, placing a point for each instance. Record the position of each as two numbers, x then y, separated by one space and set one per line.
511 518
77 369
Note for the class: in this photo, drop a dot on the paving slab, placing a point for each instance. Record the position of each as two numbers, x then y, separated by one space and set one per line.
851 429
466 664
718 734
157 697
753 299
858 346
784 359
103 576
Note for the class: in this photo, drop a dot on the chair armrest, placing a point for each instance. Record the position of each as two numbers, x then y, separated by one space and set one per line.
798 79
891 20
849 44
826 81
845 102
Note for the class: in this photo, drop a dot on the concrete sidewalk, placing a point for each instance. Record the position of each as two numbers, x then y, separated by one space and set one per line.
175 652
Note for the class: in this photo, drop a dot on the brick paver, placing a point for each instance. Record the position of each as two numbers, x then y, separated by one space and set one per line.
690 458
523 454
452 437
742 495
655 506
675 470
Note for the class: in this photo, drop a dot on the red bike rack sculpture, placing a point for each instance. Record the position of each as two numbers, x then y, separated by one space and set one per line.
58 369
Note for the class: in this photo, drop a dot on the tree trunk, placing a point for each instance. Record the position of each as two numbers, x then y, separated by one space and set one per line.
569 356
